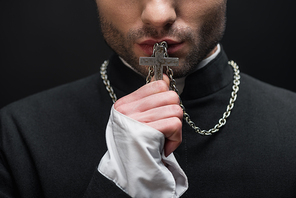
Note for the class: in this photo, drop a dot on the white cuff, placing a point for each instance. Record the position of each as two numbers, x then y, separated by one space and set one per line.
134 160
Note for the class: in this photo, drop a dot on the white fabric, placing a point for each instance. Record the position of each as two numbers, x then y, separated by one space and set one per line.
134 160
204 62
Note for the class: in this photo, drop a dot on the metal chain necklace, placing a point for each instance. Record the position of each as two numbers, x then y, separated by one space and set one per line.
186 117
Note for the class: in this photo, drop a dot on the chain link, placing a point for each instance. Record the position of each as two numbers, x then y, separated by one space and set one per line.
150 74
106 81
186 117
226 114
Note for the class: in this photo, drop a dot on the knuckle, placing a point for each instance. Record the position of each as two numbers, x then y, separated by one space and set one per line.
174 97
177 110
160 85
176 124
180 113
179 141
177 137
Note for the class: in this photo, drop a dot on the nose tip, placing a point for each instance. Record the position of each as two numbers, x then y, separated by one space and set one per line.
159 14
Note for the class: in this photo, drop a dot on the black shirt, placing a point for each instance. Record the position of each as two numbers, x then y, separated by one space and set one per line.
52 142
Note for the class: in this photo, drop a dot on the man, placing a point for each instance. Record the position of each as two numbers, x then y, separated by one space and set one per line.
53 143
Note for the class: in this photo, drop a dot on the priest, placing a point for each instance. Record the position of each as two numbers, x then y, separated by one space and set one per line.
202 129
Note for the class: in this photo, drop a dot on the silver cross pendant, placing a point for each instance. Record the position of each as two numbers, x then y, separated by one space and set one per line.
159 59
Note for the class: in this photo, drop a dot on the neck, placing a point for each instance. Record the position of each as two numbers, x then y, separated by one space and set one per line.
210 57
180 82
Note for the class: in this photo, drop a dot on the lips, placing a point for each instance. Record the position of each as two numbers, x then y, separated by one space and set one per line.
173 46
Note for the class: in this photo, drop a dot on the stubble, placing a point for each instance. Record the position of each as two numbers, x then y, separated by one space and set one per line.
202 41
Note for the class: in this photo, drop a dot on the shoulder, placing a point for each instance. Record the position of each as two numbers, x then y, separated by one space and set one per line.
68 90
77 96
266 99
269 92
57 115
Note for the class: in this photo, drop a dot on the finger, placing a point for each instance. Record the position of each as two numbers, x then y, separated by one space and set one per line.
158 113
149 102
165 78
171 146
144 91
172 130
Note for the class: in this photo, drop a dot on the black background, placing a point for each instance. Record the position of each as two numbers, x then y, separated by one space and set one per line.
47 43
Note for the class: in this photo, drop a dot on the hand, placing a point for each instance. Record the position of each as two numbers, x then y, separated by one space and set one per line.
158 107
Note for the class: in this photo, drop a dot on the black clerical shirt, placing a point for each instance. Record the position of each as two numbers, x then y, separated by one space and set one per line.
52 142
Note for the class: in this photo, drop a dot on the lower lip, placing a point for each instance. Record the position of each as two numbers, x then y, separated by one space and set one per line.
175 48
147 49
172 49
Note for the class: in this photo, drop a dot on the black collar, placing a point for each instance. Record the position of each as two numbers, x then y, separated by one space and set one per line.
214 76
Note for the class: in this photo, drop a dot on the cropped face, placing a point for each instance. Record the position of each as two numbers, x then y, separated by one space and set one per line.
192 29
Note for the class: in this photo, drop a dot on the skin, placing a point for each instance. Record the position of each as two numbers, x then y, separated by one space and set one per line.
192 29
164 113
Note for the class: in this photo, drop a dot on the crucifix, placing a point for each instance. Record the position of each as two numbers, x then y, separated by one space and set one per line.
159 59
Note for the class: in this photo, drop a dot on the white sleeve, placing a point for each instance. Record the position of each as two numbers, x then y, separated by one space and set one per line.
134 160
